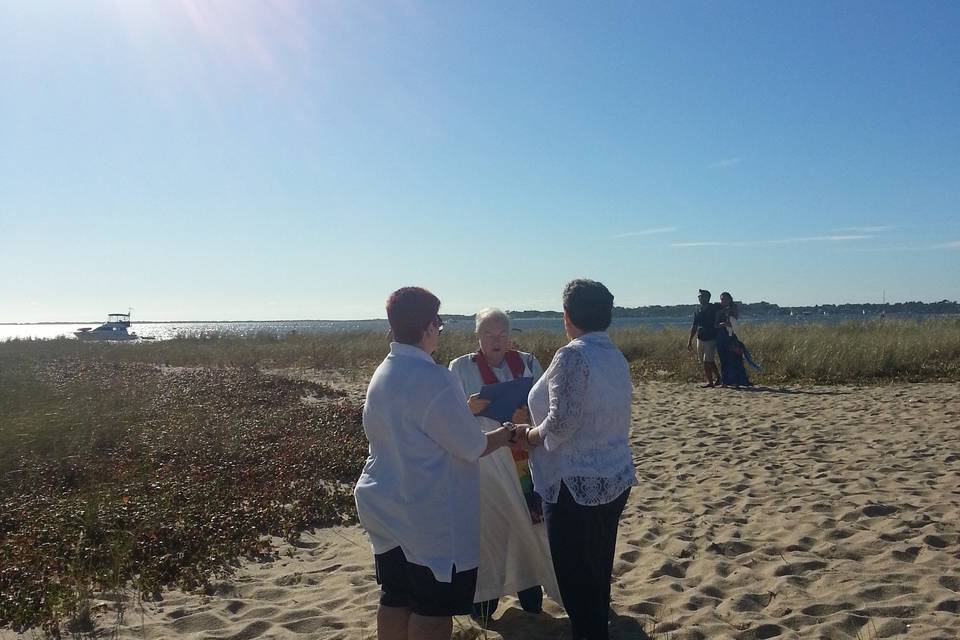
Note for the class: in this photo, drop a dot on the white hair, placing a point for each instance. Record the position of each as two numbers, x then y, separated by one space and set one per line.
492 313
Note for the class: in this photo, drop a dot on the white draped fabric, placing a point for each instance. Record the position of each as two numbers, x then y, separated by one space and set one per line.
514 552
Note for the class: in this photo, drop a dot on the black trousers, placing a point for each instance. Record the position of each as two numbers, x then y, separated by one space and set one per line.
530 599
582 543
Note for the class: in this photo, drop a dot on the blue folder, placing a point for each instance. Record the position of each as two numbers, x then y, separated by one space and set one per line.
505 398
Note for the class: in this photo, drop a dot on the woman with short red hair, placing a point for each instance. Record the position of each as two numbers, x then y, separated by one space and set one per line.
418 496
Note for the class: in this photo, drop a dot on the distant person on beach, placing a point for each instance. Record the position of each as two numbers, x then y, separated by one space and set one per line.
418 496
514 551
729 347
580 454
705 329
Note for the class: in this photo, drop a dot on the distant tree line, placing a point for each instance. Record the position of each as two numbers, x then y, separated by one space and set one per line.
763 308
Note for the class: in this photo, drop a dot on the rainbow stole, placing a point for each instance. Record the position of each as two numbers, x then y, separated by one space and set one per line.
521 460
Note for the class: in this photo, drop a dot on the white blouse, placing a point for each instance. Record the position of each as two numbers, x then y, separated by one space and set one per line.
419 489
582 405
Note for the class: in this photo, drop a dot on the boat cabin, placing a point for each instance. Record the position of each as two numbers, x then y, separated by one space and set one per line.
119 318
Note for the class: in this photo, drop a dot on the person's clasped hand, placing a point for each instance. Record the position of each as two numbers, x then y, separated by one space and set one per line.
519 440
521 416
523 442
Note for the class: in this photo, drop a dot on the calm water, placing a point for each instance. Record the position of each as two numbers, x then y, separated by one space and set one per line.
166 331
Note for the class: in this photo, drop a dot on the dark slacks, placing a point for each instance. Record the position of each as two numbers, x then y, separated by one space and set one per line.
582 543
530 599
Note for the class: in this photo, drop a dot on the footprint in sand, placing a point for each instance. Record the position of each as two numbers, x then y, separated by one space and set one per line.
698 602
950 582
671 569
260 613
883 592
712 592
902 611
851 516
840 534
762 632
645 608
234 606
879 510
897 536
935 541
952 606
847 626
731 549
198 622
907 555
824 610
803 544
751 602
799 568
269 594
314 625
252 630
289 580
630 556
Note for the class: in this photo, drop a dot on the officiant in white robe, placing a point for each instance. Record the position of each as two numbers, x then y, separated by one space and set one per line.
514 551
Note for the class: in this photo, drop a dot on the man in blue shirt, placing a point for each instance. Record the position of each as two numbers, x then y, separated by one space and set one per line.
705 329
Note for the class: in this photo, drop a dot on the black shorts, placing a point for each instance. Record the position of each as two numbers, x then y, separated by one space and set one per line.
404 584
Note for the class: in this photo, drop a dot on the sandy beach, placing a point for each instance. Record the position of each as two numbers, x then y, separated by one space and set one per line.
823 512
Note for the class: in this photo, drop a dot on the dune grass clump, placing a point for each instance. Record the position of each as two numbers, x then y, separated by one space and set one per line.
117 475
874 351
849 352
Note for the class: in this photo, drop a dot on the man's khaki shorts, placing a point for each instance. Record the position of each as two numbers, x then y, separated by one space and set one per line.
706 350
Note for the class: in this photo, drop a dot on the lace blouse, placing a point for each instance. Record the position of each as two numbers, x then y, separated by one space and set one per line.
582 405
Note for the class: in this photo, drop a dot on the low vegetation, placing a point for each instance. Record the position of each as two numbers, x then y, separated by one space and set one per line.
121 476
849 352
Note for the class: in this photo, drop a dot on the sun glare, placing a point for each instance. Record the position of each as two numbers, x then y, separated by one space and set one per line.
254 36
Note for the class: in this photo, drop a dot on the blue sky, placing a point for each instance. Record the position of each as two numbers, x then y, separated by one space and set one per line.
279 160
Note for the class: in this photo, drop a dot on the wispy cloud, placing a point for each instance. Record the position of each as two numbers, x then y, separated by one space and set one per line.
752 243
832 238
877 229
891 249
726 162
709 243
645 232
955 245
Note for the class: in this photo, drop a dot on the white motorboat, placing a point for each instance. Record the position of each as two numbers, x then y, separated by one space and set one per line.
115 328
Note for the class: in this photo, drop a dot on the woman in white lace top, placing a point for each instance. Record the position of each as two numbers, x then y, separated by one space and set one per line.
580 455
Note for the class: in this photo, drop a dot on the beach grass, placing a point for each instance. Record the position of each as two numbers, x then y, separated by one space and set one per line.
848 352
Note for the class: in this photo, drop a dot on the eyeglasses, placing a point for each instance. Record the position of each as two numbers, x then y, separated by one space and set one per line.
438 323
